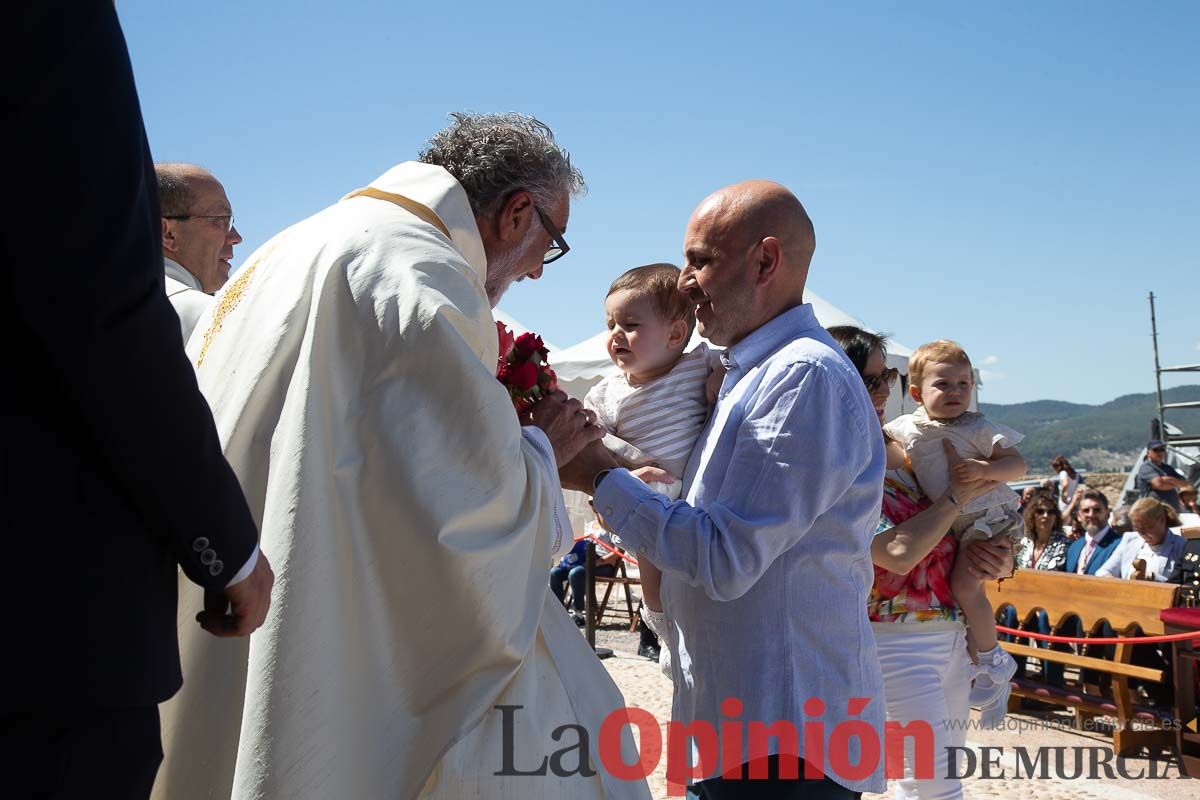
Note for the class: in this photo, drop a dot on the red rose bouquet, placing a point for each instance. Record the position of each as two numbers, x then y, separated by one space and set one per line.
523 369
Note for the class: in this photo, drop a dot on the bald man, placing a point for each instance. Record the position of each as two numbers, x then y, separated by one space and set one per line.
198 236
765 559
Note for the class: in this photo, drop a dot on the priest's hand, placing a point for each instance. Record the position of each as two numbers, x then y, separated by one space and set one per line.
240 609
580 474
566 423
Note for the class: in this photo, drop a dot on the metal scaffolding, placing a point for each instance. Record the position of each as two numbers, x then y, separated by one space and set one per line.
1178 440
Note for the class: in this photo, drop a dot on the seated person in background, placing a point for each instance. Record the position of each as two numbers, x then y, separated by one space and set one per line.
655 409
1072 521
1045 545
1121 523
1045 548
1087 554
1187 500
1150 552
941 382
1027 494
572 569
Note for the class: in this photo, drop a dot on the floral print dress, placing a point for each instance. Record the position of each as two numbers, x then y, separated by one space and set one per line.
1054 557
922 595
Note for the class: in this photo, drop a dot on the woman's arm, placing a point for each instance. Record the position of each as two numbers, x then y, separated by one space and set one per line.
902 548
1112 567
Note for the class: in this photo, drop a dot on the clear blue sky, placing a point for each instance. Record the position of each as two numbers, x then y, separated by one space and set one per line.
1017 177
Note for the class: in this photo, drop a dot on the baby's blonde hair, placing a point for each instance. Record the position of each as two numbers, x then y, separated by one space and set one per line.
942 351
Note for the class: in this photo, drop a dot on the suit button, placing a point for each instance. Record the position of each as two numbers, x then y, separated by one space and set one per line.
200 543
208 557
215 567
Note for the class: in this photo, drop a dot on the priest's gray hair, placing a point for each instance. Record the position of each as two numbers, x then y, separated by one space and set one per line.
175 180
494 155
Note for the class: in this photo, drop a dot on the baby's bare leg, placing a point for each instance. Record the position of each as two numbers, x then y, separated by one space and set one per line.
651 581
971 598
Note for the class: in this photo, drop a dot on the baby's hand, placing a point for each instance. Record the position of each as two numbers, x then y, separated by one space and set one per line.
971 469
653 475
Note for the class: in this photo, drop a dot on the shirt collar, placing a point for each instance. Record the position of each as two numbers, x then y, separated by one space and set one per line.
1099 537
766 339
179 272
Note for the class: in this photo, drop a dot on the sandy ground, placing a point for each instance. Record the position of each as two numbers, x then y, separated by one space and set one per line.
644 686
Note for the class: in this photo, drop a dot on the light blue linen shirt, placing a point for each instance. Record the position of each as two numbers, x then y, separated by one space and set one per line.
766 558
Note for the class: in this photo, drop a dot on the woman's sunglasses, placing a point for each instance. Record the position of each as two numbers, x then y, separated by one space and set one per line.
888 376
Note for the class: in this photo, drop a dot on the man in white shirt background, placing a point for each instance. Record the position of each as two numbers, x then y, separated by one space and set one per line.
198 236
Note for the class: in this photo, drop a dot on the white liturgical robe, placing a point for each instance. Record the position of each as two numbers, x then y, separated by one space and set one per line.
350 368
186 296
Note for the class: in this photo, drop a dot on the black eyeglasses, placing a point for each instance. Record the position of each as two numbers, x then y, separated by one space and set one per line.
1044 512
560 247
888 376
227 217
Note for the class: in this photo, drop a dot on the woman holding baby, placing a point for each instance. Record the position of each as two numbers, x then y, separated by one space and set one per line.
920 629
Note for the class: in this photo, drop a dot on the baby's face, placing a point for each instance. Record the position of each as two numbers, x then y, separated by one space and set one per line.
641 342
945 390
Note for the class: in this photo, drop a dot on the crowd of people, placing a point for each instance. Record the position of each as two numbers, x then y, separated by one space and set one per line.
1070 527
331 411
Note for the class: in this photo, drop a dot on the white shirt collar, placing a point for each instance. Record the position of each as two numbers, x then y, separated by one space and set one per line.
178 272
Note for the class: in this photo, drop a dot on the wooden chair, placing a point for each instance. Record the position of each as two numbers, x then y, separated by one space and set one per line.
621 578
1129 607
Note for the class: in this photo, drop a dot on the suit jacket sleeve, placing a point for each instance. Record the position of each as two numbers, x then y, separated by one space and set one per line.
81 258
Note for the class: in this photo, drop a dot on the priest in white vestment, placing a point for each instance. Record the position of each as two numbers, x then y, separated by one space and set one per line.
411 522
198 237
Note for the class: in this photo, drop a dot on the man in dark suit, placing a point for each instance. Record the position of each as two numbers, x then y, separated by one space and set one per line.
1088 553
112 472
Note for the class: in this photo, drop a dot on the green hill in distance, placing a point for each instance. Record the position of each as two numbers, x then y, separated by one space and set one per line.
1103 437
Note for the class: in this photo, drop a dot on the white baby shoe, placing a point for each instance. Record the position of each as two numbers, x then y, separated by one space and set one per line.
992 685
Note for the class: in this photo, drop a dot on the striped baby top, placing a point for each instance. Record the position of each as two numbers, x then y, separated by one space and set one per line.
663 417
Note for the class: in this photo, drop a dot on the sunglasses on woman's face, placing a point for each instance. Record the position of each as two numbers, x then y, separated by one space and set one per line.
888 376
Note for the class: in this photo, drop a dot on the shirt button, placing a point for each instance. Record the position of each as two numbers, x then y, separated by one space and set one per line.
608 512
208 557
215 568
200 543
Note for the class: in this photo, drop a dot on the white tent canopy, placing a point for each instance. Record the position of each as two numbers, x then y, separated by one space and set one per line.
582 365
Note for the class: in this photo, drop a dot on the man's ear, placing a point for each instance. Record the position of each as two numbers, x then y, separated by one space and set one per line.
679 332
515 216
770 258
169 240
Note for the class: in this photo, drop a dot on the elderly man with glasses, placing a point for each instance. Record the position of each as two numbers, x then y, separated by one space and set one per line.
1158 479
198 236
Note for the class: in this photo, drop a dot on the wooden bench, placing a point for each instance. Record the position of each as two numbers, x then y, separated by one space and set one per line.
1129 608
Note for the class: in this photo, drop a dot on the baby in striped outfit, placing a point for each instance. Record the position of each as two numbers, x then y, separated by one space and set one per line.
655 409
